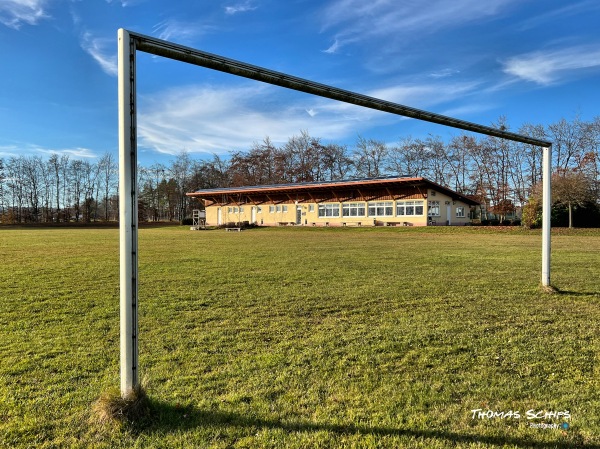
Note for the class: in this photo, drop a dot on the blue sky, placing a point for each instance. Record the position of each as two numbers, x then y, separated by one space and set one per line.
533 61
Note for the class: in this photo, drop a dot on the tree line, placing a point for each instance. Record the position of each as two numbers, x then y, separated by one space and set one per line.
501 174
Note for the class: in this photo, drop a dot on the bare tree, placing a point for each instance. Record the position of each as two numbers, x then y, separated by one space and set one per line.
370 157
336 162
181 174
569 141
108 170
409 158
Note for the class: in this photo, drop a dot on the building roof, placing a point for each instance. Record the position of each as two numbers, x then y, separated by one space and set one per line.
306 187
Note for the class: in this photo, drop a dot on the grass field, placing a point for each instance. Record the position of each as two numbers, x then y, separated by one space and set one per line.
303 338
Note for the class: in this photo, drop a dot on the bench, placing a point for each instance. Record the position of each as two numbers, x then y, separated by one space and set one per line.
398 223
233 229
351 223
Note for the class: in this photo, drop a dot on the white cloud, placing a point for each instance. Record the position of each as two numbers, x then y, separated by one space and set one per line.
444 73
210 119
562 13
125 3
172 29
98 49
424 95
8 150
206 119
469 109
15 150
333 48
356 20
240 7
14 13
549 67
78 153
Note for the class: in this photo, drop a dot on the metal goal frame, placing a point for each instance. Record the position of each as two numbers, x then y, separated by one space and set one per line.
128 44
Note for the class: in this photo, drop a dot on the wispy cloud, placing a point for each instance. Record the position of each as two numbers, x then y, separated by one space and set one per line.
563 12
444 73
240 7
552 66
98 48
16 150
172 29
125 3
425 94
207 119
8 150
333 48
14 13
469 109
78 153
210 119
357 20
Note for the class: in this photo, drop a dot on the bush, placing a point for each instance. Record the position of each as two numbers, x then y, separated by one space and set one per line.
494 222
187 221
238 224
532 214
485 222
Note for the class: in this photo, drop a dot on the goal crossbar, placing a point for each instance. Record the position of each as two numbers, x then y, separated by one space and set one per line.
193 56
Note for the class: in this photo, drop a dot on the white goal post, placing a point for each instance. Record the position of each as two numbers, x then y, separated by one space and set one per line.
128 44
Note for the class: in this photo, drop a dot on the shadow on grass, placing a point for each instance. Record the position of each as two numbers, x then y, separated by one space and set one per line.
573 293
165 417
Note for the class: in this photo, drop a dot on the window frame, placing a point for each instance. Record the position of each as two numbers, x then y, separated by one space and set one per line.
377 205
325 207
431 206
403 205
356 206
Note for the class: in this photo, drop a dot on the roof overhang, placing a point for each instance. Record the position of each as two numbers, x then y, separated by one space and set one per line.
328 186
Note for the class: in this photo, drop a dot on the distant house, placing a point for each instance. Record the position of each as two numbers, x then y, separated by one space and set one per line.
386 201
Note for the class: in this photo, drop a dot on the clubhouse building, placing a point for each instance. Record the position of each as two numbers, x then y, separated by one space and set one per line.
385 201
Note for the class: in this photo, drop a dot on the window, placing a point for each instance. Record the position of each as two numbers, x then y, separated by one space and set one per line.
433 209
353 210
410 208
229 210
271 209
285 208
329 210
311 207
241 209
460 212
381 209
278 208
259 209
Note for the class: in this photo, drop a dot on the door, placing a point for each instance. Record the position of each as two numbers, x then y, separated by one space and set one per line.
219 220
253 219
449 214
298 215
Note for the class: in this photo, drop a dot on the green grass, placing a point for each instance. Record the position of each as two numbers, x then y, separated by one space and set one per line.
302 338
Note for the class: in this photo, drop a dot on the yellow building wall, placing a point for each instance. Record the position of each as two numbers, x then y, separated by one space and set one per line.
286 214
447 210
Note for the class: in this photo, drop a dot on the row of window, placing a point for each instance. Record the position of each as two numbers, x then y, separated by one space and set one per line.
373 209
272 209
